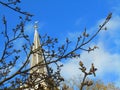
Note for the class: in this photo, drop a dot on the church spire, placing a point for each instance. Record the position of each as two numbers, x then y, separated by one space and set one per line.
37 57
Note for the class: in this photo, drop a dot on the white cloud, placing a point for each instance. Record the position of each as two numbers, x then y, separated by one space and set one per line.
106 59
70 69
112 26
111 38
103 60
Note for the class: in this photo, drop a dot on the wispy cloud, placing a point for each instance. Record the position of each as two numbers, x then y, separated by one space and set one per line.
70 69
110 39
106 58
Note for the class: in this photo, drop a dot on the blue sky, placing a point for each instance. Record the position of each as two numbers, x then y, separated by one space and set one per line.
66 15
68 18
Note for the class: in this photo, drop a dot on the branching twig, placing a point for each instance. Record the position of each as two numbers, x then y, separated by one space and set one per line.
16 9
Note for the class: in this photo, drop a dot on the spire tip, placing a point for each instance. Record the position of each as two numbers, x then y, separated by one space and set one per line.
36 25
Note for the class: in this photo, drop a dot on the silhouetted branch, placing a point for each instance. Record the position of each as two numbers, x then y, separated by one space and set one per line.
50 49
17 9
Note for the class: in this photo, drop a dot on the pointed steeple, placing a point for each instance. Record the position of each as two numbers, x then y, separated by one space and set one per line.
37 57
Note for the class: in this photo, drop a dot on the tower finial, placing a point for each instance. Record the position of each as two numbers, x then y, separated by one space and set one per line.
36 25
